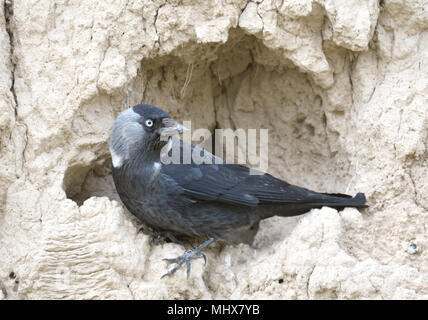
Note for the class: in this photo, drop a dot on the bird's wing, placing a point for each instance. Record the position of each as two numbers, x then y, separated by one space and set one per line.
210 182
233 184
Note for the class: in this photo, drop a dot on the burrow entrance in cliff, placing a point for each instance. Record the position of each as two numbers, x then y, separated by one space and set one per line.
82 182
239 84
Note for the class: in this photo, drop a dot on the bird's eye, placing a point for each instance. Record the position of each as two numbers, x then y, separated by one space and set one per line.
149 123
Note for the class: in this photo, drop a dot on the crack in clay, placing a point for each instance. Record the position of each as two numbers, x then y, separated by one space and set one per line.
8 13
243 9
371 95
325 125
377 69
257 12
156 19
102 59
375 288
392 44
398 134
376 82
3 291
307 282
261 18
129 288
351 70
415 190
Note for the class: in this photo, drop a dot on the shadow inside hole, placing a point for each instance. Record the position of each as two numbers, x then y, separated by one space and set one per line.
82 182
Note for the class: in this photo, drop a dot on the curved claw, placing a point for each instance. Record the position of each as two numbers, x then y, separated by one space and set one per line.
188 268
205 258
172 260
200 255
176 267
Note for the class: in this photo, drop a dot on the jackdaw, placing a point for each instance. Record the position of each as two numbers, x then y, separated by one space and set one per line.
217 201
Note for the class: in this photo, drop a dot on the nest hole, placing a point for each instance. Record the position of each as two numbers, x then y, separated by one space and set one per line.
82 182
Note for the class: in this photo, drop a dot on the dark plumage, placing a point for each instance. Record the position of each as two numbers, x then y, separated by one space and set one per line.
207 201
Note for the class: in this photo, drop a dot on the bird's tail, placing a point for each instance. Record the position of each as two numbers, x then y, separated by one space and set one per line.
337 201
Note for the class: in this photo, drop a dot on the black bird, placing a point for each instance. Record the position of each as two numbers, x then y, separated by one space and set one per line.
205 201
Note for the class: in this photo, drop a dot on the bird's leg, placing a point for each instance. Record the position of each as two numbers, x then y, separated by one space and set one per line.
187 257
156 239
158 236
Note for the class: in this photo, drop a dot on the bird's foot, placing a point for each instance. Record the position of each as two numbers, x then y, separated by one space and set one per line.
187 257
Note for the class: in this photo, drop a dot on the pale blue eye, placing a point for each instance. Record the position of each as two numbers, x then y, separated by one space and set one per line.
149 123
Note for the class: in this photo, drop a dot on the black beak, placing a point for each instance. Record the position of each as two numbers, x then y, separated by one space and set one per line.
171 127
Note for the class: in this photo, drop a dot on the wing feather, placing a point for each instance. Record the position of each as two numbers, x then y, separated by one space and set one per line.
233 184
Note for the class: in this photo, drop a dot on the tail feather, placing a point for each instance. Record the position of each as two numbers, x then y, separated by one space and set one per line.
361 198
340 201
295 209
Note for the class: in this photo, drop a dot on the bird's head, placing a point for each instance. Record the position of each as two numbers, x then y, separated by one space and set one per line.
138 130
